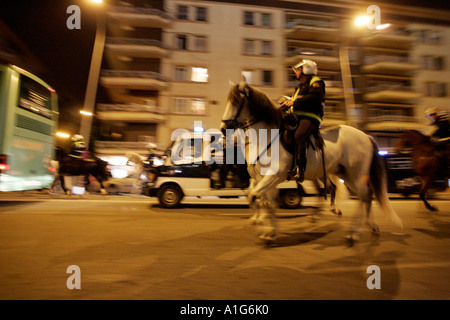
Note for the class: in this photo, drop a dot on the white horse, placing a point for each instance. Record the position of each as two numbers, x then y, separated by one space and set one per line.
350 154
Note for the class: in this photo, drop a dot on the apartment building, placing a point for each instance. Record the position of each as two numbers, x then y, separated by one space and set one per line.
168 65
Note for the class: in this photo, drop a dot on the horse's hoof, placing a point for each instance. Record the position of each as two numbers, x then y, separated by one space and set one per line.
351 239
267 240
254 221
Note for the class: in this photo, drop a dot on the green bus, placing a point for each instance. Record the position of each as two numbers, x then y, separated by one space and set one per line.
28 121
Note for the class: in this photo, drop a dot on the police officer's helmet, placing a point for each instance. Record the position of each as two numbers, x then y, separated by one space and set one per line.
308 67
77 137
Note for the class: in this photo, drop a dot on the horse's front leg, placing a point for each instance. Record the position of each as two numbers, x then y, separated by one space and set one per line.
102 187
263 195
426 184
267 230
254 205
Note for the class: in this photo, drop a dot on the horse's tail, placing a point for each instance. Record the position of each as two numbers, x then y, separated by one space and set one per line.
378 181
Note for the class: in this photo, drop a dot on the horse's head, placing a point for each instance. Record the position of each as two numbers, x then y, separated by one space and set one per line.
246 106
236 111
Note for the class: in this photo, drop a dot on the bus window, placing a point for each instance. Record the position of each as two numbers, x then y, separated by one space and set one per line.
34 97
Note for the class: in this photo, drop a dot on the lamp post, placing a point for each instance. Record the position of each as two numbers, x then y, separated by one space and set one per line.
94 73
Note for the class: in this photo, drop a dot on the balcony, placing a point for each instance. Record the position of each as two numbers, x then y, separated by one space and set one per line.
108 148
143 48
390 38
390 93
325 59
130 113
390 65
132 79
139 17
392 122
312 29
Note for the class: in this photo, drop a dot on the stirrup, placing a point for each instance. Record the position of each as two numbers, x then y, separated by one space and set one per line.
301 176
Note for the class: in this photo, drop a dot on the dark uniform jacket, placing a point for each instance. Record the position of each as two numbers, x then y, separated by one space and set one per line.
311 100
443 130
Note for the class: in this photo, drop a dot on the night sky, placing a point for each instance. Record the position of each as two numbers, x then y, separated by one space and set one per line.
66 54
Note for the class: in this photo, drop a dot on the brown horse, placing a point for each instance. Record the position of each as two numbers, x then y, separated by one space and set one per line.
70 166
429 160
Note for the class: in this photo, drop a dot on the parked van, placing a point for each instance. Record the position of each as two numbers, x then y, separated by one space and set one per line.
191 168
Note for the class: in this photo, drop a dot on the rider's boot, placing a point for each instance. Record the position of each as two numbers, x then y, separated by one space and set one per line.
301 164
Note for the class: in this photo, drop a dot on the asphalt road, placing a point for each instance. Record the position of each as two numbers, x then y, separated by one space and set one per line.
129 248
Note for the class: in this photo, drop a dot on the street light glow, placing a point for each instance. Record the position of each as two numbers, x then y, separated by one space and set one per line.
97 1
62 135
362 20
86 113
383 26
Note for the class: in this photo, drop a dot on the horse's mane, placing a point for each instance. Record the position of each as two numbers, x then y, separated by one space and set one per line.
261 107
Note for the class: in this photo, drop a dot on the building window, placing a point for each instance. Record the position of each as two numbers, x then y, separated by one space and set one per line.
201 14
181 74
429 36
249 76
185 105
200 43
181 42
198 106
266 48
435 89
249 46
182 13
267 78
266 20
248 18
432 63
179 105
199 74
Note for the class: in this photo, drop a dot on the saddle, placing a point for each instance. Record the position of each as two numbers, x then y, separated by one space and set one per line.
288 126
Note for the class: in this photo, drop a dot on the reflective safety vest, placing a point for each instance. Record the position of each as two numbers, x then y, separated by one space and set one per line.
302 113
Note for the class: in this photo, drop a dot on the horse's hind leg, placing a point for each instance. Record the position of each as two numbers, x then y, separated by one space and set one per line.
361 188
63 184
426 184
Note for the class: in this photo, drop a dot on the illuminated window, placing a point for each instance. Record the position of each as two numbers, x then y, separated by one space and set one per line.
199 74
249 76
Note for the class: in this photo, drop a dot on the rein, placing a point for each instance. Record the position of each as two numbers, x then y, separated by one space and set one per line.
246 124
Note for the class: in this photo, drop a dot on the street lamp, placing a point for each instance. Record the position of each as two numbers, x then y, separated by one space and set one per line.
94 72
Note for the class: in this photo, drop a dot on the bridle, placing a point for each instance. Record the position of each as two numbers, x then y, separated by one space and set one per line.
234 123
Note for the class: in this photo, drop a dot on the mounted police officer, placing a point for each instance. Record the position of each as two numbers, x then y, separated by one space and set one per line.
307 104
441 121
78 147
